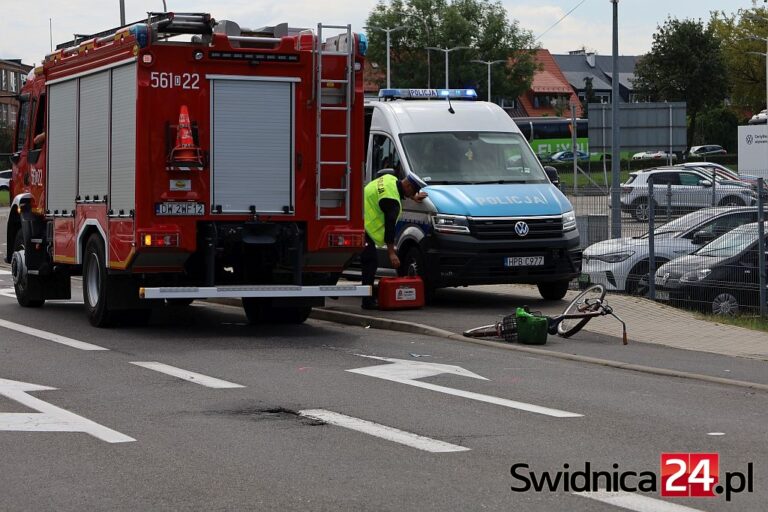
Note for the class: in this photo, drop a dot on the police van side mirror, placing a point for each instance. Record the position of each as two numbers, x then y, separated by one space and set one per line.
552 174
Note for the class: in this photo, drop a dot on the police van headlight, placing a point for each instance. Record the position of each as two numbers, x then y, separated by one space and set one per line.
456 224
569 221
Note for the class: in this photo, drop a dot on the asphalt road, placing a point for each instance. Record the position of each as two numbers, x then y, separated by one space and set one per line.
195 447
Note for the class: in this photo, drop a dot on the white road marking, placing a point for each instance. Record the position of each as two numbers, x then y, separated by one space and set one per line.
636 502
716 434
63 340
49 418
405 372
197 378
383 432
5 272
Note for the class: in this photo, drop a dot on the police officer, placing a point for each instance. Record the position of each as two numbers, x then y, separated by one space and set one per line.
382 198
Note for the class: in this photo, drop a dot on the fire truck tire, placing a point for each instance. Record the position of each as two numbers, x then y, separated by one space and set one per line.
22 281
293 315
95 284
179 302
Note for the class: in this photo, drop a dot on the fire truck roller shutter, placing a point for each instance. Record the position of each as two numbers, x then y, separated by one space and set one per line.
122 188
252 142
62 146
93 142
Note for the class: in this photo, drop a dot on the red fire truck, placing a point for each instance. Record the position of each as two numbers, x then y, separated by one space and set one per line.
182 158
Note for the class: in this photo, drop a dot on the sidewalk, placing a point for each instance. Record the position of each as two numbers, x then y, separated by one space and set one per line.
457 310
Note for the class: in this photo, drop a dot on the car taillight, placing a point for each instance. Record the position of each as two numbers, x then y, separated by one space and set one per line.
159 239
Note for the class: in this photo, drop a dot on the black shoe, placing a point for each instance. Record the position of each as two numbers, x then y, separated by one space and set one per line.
370 303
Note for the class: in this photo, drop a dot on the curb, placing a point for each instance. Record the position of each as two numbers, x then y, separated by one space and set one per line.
342 317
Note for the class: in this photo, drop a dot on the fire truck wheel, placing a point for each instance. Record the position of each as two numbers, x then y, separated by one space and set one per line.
95 283
256 309
179 302
21 278
294 315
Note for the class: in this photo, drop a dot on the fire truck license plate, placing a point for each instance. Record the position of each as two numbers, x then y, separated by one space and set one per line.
179 209
524 261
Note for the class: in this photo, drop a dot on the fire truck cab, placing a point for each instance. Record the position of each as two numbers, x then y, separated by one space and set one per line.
181 158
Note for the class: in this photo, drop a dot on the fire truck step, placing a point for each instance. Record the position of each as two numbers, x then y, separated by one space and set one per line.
236 292
334 135
334 108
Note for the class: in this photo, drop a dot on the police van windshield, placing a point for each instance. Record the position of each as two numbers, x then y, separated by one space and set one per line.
472 158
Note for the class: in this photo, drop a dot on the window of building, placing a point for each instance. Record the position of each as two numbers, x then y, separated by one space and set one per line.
12 81
3 80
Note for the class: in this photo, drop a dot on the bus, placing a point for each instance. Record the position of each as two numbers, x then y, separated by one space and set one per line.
548 135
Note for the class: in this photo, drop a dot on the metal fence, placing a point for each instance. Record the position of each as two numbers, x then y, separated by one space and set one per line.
691 238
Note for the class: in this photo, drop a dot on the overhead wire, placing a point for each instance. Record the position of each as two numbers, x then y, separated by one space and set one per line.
561 19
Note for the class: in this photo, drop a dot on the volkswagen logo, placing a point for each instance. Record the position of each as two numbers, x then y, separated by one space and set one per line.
749 139
665 278
521 228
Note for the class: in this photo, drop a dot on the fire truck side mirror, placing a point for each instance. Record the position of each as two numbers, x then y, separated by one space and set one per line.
34 155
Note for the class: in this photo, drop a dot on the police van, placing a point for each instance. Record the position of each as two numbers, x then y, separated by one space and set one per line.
492 215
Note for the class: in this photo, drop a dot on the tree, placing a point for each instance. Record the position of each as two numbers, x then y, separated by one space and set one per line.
718 125
685 64
482 25
589 95
741 35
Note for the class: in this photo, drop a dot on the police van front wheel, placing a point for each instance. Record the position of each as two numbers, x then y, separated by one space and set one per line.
554 290
412 264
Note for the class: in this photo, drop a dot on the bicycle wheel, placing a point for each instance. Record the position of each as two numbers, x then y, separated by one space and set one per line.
587 301
484 331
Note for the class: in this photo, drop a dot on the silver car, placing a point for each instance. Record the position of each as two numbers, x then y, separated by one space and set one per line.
681 190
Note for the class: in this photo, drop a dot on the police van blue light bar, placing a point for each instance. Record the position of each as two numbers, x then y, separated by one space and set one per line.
425 94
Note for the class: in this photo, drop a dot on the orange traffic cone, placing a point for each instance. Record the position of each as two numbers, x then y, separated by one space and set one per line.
185 150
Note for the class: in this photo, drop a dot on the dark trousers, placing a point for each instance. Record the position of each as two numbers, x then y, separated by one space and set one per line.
369 261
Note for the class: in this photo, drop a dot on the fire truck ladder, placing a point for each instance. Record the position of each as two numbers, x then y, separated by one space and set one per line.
332 198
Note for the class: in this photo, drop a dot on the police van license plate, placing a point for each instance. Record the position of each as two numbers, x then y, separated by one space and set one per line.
524 261
179 208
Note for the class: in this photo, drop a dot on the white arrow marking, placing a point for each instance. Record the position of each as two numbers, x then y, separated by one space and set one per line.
63 340
405 372
636 502
49 418
197 378
383 432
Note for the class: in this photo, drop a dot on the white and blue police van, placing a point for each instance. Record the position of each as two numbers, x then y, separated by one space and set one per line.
492 215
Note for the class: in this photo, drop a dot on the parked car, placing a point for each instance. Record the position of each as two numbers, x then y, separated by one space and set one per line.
567 156
759 118
706 150
722 277
621 263
654 155
691 190
726 173
5 179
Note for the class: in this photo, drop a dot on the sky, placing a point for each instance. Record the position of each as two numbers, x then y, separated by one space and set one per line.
24 24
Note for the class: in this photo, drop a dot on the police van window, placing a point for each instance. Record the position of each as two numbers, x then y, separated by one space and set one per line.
385 155
472 157
22 125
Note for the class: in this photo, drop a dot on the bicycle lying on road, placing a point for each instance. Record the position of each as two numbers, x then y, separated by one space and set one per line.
585 306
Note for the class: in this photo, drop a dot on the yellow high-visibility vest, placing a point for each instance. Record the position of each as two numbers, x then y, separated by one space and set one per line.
383 187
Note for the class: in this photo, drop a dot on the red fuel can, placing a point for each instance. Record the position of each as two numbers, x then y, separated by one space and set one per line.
401 292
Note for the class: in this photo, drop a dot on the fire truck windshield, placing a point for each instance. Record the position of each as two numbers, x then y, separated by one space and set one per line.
472 158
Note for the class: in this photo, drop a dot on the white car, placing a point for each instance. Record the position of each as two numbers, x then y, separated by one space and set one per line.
654 155
690 189
619 264
5 179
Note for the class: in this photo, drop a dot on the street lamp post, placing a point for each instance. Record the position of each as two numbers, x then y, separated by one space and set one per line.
615 153
489 63
447 51
388 31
